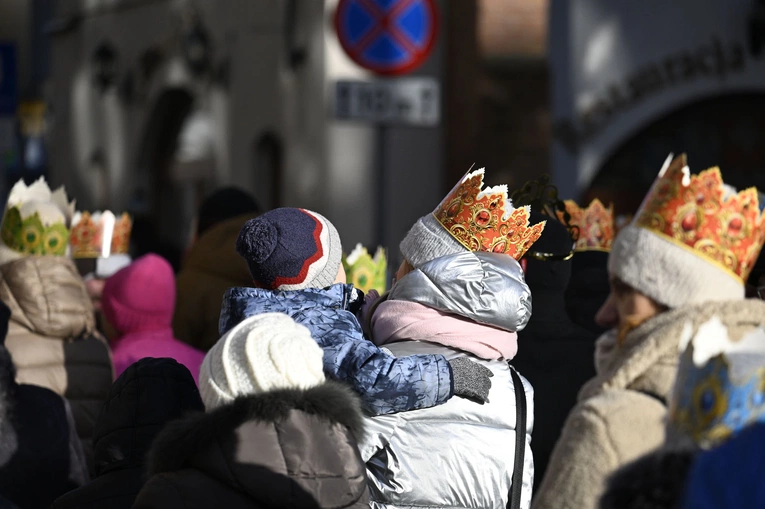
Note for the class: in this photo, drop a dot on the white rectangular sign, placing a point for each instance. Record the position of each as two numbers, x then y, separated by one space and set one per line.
407 101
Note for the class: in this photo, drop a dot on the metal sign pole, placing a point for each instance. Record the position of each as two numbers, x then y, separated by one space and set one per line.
382 195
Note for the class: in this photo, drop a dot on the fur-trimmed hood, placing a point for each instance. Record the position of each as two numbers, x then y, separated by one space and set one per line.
279 440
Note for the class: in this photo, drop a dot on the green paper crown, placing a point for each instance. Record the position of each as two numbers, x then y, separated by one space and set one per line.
31 235
364 272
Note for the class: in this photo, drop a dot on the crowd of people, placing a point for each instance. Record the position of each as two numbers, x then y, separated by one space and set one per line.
530 353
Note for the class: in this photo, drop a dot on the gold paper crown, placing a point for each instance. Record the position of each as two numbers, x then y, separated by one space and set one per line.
594 223
364 272
100 235
485 220
36 220
702 214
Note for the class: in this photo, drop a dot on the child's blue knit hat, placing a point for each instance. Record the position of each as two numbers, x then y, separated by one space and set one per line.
291 249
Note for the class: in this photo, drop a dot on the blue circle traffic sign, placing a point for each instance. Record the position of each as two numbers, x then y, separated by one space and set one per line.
387 36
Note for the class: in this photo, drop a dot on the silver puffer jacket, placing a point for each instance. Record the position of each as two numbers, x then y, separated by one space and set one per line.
459 454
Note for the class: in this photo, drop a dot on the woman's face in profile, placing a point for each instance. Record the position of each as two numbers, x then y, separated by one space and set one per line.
625 307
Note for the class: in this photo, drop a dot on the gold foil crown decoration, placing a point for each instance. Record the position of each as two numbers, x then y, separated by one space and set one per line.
100 234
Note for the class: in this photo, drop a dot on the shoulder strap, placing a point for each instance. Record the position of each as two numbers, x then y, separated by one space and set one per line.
514 501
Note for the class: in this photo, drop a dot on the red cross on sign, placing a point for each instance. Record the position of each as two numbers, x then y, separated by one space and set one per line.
388 37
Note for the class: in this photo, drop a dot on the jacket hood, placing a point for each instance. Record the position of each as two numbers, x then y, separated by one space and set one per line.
47 296
214 252
487 288
144 398
241 303
655 481
276 439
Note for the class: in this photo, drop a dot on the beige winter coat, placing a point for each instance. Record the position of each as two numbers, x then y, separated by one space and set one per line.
621 414
52 338
211 267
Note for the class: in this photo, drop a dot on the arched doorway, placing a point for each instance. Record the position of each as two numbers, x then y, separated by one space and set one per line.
157 201
728 132
268 158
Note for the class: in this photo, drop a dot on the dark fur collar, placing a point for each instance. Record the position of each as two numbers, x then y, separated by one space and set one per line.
182 438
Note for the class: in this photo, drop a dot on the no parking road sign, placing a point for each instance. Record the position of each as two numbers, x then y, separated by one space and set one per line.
388 37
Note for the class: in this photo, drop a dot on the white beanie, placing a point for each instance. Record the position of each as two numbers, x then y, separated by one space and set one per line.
668 273
263 353
677 264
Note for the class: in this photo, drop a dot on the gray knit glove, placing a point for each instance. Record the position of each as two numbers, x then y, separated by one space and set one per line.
471 380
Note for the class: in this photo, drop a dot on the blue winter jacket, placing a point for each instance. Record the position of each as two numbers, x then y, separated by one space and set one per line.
386 384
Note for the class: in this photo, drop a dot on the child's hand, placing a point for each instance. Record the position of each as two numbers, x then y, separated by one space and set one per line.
471 380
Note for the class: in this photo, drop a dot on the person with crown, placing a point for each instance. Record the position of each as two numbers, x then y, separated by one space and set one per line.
682 259
295 259
52 334
588 286
99 243
460 292
557 353
719 392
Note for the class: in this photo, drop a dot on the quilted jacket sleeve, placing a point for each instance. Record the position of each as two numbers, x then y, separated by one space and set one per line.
387 384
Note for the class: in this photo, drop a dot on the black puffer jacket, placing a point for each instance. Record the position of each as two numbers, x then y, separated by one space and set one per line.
588 289
144 398
40 454
286 449
556 355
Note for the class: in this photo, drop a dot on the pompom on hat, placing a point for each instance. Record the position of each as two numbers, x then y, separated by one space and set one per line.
291 249
474 219
693 240
263 353
36 222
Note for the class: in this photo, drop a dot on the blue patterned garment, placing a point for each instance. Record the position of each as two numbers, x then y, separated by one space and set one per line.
709 406
386 384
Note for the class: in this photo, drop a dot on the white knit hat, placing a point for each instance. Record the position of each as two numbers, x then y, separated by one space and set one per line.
263 353
428 240
667 273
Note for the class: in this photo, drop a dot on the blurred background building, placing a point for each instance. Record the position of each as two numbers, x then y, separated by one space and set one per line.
634 81
148 105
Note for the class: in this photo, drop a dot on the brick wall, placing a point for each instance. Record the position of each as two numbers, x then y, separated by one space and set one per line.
498 110
510 28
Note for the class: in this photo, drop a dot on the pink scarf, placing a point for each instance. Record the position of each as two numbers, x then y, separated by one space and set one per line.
398 320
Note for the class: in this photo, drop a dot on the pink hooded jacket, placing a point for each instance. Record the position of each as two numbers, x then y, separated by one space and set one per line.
139 301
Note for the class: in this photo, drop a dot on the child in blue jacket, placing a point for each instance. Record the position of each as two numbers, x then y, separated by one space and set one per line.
295 259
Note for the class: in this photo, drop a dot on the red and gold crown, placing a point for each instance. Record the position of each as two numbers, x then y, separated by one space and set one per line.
700 213
100 235
485 220
595 224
